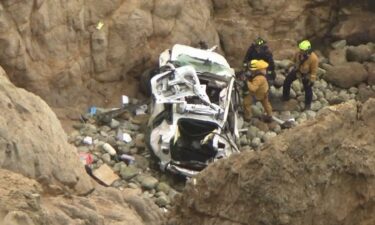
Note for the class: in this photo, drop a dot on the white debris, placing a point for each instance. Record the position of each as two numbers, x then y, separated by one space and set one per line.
108 148
87 140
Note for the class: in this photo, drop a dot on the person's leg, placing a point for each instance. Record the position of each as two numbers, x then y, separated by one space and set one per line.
308 93
292 76
267 105
247 102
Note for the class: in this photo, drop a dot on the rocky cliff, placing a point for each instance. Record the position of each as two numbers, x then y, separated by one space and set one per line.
54 49
42 179
321 172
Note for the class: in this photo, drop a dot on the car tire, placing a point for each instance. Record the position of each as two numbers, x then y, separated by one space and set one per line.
145 82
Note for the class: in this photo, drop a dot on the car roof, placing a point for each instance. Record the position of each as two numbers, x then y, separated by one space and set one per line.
203 54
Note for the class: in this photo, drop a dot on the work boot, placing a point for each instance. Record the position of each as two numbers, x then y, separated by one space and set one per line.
267 119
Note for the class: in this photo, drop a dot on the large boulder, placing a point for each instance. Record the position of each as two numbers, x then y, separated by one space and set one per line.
321 172
337 56
23 202
357 28
33 143
371 73
346 75
359 53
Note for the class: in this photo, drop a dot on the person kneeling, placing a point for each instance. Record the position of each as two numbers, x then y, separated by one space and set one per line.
258 89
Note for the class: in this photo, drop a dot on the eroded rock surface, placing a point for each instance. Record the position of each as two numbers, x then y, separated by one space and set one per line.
321 172
54 49
33 142
23 202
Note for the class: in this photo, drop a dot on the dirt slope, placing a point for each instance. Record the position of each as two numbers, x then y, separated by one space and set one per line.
322 172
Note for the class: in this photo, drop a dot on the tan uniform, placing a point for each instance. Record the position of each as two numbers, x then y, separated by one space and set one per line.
310 66
258 88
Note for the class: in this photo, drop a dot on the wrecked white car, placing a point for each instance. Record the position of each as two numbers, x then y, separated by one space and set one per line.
194 118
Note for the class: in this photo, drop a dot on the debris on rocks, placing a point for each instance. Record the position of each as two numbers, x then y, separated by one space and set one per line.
105 174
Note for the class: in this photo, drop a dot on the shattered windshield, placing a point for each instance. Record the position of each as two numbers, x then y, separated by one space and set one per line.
201 65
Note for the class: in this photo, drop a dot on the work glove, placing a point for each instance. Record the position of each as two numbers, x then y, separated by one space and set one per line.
271 75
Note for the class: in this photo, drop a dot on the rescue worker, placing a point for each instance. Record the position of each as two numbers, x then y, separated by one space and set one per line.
258 89
306 67
260 50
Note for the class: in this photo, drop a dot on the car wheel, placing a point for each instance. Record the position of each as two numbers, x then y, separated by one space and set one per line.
145 82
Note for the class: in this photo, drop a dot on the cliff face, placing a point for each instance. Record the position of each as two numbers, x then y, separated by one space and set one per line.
321 172
53 48
41 175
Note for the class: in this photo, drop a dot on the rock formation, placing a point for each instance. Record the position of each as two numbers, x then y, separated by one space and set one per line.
33 142
23 202
321 172
54 49
42 179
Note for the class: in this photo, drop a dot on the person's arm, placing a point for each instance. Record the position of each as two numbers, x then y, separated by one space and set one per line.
248 55
314 67
271 62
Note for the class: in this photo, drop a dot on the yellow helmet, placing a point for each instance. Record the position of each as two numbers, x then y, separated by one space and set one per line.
304 45
258 64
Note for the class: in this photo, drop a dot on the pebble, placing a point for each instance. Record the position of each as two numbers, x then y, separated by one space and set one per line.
243 140
260 134
310 114
315 106
372 58
315 97
252 132
133 185
292 93
173 194
269 135
319 94
302 116
339 44
321 72
106 158
118 166
163 187
323 83
129 172
297 86
140 141
114 124
256 142
162 201
353 90
88 130
147 182
277 129
284 64
324 102
105 128
256 110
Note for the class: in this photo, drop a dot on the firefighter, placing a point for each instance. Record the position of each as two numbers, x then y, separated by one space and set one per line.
305 68
258 89
260 50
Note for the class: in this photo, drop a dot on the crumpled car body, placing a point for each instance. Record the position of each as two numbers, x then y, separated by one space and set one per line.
194 119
